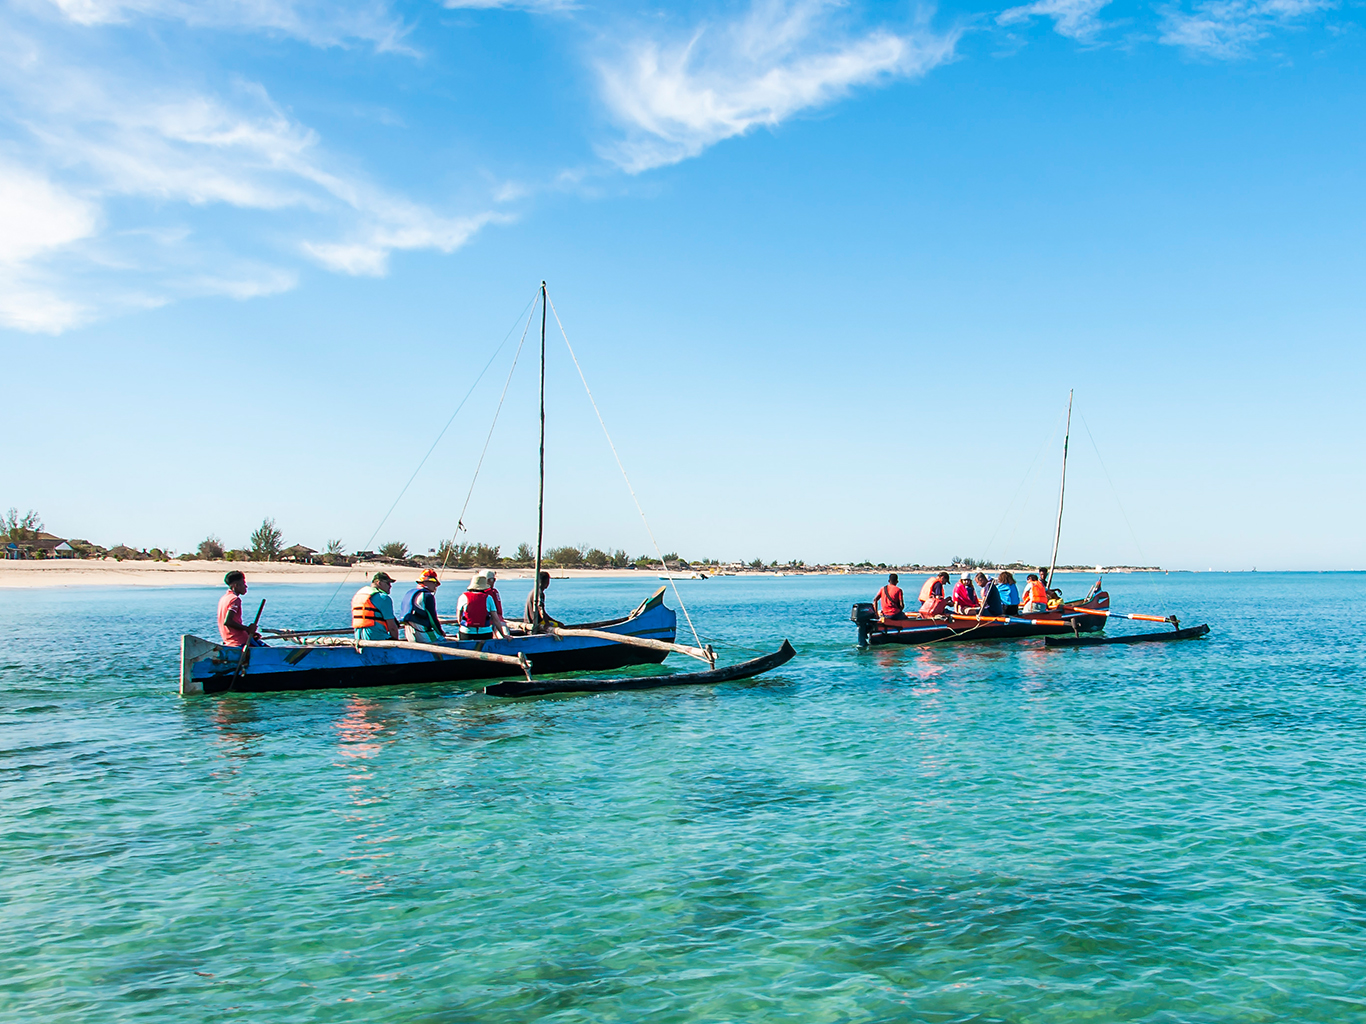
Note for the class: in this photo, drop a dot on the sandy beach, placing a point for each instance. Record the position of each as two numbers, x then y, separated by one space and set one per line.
74 572
77 572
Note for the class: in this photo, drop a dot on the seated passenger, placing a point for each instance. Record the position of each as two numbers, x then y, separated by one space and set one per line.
1010 593
890 601
420 622
932 600
1035 596
477 614
964 597
991 597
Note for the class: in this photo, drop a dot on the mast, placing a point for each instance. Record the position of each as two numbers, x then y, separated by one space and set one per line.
1062 491
540 493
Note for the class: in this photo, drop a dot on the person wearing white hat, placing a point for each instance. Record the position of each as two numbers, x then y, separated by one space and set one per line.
493 588
477 614
964 596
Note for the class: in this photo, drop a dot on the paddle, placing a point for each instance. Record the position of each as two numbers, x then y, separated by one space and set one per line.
246 648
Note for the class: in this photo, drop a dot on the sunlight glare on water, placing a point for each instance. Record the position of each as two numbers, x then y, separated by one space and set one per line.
991 832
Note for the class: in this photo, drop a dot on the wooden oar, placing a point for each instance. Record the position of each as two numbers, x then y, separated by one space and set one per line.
700 653
245 656
520 661
1009 619
1124 615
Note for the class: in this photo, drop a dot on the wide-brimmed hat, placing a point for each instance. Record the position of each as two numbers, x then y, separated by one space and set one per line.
480 582
429 576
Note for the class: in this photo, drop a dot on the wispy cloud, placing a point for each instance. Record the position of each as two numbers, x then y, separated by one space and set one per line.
106 178
1076 19
676 96
1228 29
318 22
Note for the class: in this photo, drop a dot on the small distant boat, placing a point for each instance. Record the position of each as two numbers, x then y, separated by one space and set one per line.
690 576
1083 617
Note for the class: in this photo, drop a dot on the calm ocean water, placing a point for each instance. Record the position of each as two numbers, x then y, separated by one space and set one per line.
1170 832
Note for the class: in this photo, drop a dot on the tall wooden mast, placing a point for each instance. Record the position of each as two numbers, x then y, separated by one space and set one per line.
540 493
1062 492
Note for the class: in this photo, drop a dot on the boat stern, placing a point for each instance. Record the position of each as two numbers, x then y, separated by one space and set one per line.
192 651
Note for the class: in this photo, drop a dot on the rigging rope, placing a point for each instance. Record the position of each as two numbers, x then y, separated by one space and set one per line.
672 582
423 462
460 522
1029 473
1113 490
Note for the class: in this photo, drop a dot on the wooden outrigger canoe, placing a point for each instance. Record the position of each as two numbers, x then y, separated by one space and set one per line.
312 664
1078 617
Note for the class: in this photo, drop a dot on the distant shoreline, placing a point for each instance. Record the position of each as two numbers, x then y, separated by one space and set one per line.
73 572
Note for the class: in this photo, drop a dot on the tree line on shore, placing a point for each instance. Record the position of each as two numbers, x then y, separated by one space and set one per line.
26 539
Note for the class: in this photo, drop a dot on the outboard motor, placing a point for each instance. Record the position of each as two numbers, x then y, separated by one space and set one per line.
863 616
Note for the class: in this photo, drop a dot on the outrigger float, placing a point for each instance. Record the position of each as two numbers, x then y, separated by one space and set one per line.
335 658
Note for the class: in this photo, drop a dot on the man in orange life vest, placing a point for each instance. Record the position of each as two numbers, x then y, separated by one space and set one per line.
372 610
932 599
890 601
1035 597
477 614
231 629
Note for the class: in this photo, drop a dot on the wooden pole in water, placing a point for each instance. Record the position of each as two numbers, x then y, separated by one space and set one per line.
539 598
1062 491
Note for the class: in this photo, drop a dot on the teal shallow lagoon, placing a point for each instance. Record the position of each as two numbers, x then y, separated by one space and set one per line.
958 833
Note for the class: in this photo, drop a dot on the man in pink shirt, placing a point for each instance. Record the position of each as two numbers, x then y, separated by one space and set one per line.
231 629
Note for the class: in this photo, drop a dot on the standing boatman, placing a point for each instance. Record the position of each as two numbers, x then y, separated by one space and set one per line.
420 622
372 610
890 600
231 629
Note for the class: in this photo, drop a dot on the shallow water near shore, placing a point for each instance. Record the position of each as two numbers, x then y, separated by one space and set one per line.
989 832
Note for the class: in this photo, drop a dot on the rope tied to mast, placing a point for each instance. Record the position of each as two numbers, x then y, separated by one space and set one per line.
597 412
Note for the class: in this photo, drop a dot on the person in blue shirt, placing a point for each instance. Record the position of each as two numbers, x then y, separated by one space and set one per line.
990 596
372 610
1010 593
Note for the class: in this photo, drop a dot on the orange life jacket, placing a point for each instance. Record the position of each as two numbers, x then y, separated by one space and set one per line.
925 594
1035 593
363 610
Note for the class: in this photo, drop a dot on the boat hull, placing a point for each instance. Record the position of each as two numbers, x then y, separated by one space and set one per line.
210 668
926 631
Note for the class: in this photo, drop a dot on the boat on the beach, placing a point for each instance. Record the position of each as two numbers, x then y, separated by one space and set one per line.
330 658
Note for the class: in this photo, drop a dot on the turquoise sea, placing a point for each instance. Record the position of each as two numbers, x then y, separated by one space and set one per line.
986 833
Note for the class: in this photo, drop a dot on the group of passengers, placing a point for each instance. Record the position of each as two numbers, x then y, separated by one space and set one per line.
478 613
975 594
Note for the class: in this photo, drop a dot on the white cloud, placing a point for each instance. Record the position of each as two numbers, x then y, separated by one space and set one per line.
98 166
1227 29
678 96
1076 19
319 22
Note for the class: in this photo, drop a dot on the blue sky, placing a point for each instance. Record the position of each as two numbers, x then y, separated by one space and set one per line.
831 270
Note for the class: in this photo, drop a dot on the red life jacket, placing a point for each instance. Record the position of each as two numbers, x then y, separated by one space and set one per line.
891 600
476 613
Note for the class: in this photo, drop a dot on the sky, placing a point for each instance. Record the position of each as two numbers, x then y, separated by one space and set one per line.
829 269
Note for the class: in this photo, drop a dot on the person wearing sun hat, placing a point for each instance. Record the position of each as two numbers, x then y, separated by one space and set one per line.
420 621
372 610
493 589
477 614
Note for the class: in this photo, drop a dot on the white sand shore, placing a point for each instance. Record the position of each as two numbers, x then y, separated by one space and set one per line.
78 572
